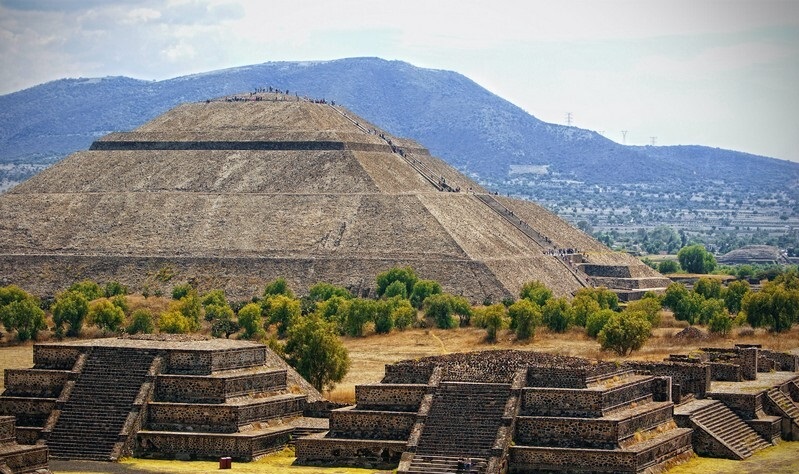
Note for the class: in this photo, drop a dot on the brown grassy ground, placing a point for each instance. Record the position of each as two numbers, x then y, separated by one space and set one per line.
370 354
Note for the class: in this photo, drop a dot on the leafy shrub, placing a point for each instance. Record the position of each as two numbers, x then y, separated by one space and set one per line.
597 321
536 292
556 314
141 321
625 332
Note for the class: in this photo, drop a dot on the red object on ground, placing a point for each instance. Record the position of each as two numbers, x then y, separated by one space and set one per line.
225 463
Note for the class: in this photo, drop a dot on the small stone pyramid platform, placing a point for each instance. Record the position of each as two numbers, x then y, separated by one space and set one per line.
234 192
505 411
157 396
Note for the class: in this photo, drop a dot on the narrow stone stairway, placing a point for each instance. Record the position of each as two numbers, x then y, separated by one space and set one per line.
94 415
785 403
718 421
462 424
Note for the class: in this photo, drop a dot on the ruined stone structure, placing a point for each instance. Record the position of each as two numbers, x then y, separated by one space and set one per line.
529 412
233 193
158 396
16 458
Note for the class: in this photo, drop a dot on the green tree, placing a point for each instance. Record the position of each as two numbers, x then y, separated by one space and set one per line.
215 312
316 352
105 315
174 322
23 316
141 321
324 291
606 298
625 332
12 293
525 317
696 259
668 266
250 319
597 321
720 323
403 313
70 309
494 319
383 317
224 327
674 294
334 309
536 292
190 307
776 306
214 297
583 306
689 308
556 314
736 291
708 287
359 312
278 286
396 288
422 289
439 308
115 288
711 308
88 288
404 274
121 302
179 291
280 310
650 306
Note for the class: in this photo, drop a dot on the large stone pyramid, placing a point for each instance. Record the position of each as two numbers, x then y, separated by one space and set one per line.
237 191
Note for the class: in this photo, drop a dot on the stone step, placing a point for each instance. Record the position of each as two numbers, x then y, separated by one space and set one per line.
721 423
421 464
785 403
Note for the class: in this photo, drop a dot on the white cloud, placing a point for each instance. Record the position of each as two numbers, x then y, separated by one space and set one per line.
141 15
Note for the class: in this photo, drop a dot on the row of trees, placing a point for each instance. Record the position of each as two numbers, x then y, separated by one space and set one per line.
775 307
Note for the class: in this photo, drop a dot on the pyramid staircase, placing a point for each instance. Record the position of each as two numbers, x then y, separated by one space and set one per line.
90 423
718 431
782 405
464 422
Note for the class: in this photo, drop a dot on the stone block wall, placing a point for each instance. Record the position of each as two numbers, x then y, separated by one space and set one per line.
29 411
556 377
561 402
606 271
783 361
692 378
350 452
185 446
8 430
407 374
722 371
745 405
197 362
390 397
368 424
35 382
219 418
47 356
200 389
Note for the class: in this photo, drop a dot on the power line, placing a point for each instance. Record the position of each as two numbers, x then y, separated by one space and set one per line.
568 119
624 136
653 140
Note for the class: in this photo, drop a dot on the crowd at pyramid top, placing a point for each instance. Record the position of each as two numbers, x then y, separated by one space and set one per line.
271 94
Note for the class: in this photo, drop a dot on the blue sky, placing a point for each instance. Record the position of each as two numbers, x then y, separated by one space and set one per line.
721 73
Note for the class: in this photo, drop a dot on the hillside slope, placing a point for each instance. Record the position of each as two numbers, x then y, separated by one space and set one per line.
468 126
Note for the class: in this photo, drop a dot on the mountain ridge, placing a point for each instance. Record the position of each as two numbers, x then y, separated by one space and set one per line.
468 126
